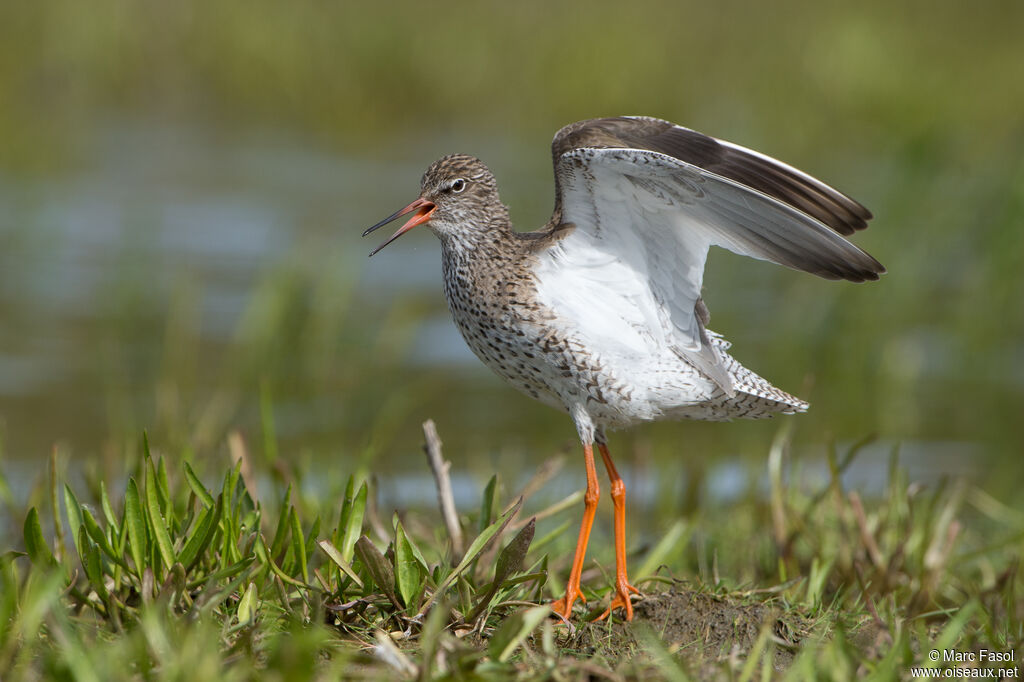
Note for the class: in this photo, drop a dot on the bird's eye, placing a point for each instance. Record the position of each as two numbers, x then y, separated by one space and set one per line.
458 185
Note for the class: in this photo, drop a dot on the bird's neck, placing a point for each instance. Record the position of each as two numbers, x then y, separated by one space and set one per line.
481 245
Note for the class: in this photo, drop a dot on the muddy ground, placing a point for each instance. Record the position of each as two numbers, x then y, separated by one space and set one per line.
696 627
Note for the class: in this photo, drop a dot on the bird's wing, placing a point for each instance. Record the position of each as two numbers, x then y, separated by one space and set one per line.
745 166
648 218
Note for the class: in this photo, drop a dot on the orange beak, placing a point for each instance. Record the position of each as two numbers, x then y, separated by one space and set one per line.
423 210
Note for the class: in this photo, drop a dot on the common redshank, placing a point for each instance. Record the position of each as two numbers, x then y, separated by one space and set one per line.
599 313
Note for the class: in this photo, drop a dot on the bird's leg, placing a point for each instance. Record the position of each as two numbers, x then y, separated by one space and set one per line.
622 586
563 606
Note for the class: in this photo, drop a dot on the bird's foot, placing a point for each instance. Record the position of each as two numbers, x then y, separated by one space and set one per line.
621 600
563 607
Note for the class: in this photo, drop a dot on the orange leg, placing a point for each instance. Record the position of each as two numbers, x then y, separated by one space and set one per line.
622 586
563 606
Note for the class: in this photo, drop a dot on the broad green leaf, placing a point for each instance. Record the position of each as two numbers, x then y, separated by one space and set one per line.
247 605
161 534
35 544
378 567
514 631
408 572
413 547
510 559
135 525
353 524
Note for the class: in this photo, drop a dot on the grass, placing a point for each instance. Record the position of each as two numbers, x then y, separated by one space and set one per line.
179 579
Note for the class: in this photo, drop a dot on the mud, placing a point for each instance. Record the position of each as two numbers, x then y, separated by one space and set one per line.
695 627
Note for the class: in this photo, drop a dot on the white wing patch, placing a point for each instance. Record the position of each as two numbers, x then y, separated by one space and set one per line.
628 277
626 280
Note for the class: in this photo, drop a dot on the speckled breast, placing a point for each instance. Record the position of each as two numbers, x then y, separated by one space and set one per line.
508 330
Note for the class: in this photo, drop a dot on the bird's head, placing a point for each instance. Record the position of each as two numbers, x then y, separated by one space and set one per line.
458 199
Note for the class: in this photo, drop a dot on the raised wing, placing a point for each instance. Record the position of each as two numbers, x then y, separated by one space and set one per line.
745 166
646 220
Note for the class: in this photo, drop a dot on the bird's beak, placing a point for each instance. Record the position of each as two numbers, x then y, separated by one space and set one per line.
423 209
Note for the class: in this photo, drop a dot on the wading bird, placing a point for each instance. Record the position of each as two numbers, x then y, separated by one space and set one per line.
599 313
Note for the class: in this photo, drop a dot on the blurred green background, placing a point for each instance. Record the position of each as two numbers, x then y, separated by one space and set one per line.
183 186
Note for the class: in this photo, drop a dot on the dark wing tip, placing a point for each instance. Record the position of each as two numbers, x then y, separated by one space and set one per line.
763 173
781 182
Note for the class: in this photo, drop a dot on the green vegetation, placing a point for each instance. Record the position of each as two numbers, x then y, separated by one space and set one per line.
227 556
179 580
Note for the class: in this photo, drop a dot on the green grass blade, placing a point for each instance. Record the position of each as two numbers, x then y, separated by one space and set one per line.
135 525
676 534
99 537
281 531
202 535
346 509
197 487
164 488
335 555
156 519
35 543
74 512
353 524
408 571
311 536
299 545
488 503
108 509
261 552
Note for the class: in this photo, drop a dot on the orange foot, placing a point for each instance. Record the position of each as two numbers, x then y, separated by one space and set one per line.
563 606
621 600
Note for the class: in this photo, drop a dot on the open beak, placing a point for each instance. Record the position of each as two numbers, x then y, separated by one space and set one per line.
423 210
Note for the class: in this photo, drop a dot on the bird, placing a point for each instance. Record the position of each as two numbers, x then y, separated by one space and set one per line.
600 312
